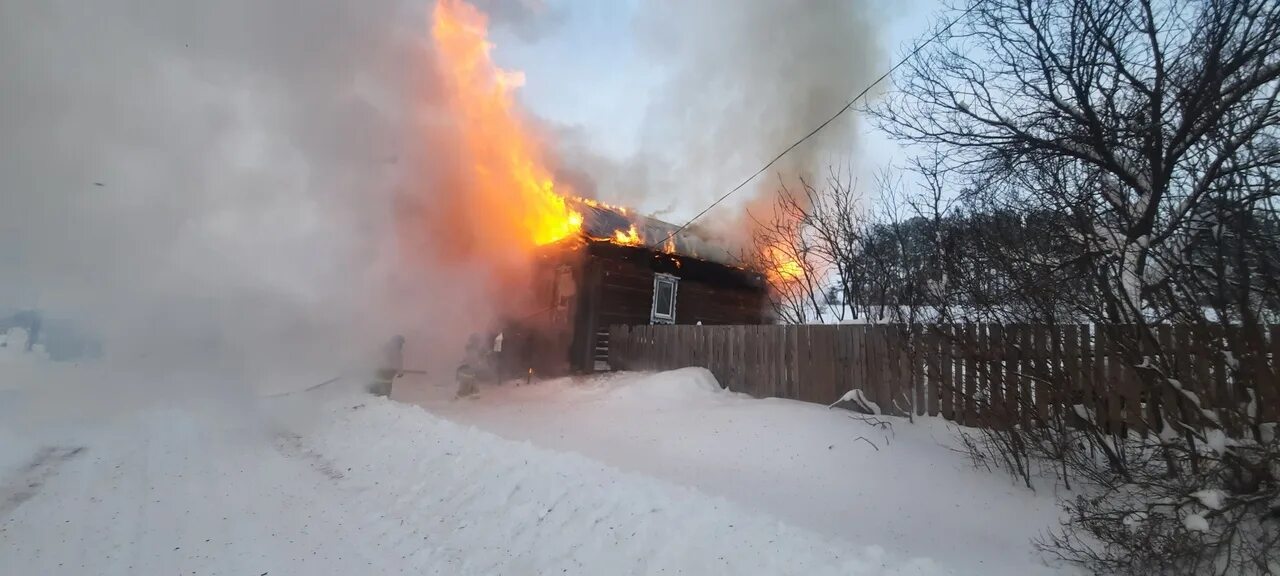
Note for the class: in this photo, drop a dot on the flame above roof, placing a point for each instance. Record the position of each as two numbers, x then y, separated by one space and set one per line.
600 222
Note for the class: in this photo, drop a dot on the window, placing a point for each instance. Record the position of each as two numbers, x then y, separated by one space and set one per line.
664 299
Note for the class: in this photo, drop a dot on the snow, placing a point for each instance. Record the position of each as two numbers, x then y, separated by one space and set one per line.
1210 498
858 398
816 468
1195 523
1134 520
1217 440
629 474
1210 415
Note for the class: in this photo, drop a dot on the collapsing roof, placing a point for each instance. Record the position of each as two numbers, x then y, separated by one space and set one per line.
600 222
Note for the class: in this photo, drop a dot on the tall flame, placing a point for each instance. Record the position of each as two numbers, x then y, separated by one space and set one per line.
781 266
508 167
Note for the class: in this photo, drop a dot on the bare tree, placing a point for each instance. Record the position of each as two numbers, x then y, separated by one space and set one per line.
1124 156
804 247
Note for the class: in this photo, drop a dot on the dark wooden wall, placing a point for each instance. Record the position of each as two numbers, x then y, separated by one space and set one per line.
626 297
617 288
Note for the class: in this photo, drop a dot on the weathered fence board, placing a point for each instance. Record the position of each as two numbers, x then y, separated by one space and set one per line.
978 374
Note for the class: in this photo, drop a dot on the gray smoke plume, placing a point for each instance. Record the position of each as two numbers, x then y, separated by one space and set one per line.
529 20
745 80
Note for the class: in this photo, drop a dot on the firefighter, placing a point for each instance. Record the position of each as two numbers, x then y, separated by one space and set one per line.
390 368
475 366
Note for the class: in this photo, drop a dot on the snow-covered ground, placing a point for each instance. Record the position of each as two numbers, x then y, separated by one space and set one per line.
904 489
621 475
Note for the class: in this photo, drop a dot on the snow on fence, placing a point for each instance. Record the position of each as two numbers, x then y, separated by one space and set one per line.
974 374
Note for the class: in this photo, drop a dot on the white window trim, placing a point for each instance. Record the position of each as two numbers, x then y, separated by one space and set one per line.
654 316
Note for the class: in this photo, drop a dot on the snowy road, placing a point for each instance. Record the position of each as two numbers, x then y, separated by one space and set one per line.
365 486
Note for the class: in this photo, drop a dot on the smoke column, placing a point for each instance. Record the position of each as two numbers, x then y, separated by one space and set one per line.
744 80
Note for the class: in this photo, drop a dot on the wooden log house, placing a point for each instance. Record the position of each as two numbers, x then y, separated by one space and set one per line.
595 280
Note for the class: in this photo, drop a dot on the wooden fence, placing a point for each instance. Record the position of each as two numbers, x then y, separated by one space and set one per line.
975 374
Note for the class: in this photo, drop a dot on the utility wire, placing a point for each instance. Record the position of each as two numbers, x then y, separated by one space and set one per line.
846 108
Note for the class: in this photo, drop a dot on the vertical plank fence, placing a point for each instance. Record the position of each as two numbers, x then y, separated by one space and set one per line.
976 374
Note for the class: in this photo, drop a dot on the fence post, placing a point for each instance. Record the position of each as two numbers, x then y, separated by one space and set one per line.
906 373
891 383
946 381
890 386
932 370
659 347
806 357
1184 367
1101 388
993 360
872 358
1088 385
1071 384
875 366
1010 357
1113 380
1269 389
1040 372
786 355
1132 380
1169 340
660 338
982 374
769 340
969 390
915 357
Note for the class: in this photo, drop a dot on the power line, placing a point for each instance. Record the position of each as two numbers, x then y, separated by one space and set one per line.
842 110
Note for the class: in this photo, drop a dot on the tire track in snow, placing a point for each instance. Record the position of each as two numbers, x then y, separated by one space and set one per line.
33 476
291 445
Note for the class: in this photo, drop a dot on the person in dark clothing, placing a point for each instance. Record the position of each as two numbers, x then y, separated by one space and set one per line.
475 365
391 367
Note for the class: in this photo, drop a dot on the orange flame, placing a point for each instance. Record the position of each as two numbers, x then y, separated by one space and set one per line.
628 238
598 204
505 194
508 166
781 266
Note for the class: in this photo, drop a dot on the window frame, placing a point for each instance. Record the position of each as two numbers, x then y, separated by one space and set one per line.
654 316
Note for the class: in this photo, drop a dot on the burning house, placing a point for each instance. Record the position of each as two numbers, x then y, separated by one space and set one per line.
586 265
611 273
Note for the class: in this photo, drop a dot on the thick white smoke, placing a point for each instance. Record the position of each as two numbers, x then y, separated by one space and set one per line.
213 186
220 186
